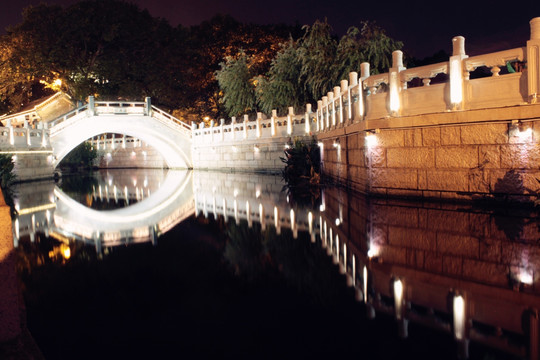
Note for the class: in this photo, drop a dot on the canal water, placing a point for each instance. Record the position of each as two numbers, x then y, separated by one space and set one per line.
140 264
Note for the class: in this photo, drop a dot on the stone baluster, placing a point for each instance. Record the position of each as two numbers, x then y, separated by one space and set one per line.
344 84
43 126
290 116
246 118
456 72
258 124
533 61
353 81
333 104
211 130
233 122
147 106
307 121
326 121
221 125
339 100
394 82
273 123
91 106
320 123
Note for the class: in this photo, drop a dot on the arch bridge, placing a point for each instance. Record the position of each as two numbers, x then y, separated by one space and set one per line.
170 136
37 151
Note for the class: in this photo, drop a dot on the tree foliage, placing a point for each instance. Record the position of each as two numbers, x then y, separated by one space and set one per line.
305 69
280 88
82 156
236 82
110 49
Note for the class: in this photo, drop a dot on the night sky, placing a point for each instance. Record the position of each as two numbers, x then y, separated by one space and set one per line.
424 26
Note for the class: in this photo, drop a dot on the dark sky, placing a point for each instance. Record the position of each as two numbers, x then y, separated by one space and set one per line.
424 26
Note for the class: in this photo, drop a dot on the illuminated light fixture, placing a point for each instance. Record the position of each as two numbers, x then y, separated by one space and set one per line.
287 146
66 251
373 251
256 148
459 317
338 222
258 194
235 192
525 276
371 139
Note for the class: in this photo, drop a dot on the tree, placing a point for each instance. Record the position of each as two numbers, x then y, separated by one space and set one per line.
110 49
280 88
317 54
237 83
223 37
377 47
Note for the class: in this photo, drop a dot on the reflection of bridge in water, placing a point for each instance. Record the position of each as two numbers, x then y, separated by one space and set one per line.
51 211
469 273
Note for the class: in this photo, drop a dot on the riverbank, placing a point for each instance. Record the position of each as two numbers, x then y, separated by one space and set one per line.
16 342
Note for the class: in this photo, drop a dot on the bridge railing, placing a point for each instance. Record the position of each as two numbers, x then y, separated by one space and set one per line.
12 138
167 118
67 119
438 88
119 108
397 94
290 126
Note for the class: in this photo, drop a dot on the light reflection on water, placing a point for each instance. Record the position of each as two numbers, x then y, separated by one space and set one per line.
469 273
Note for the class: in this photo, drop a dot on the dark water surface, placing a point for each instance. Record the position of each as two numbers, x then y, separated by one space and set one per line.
195 265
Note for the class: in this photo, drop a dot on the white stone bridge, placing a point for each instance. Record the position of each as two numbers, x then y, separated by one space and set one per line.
37 152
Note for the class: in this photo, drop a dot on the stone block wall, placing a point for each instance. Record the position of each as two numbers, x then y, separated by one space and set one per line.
261 155
485 157
144 156
33 166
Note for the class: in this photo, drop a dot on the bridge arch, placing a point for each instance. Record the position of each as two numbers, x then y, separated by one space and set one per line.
171 139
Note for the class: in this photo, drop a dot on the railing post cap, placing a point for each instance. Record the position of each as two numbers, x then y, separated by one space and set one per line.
364 70
353 78
458 45
274 113
397 59
308 108
291 110
535 28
